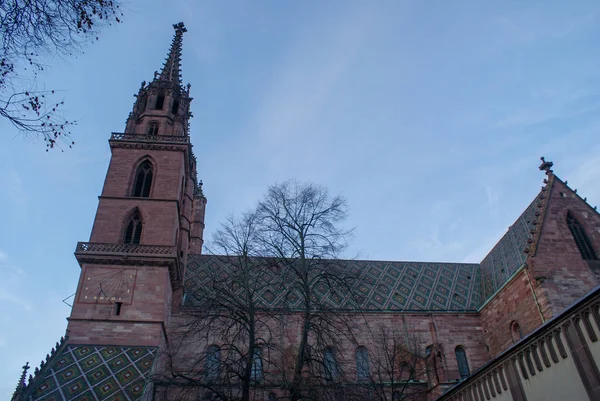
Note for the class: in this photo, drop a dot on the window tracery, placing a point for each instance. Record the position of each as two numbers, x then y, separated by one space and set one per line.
143 180
581 239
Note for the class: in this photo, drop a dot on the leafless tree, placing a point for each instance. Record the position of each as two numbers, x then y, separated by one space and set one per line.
31 31
300 225
394 368
224 344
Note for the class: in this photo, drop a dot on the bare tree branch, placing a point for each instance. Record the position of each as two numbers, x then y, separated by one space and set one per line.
31 31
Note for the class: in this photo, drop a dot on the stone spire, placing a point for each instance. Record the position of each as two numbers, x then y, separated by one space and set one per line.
162 106
171 71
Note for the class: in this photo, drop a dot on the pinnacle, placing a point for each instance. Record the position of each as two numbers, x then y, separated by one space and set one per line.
171 71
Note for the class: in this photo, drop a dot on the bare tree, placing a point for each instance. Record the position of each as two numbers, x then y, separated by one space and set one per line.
394 368
227 323
300 227
31 31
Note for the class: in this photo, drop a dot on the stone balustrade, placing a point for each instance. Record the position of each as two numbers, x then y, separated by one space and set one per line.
116 136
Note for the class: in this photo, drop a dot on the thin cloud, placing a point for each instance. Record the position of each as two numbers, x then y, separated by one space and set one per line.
12 277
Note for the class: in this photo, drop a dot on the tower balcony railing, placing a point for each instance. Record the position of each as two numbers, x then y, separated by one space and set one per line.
95 248
120 136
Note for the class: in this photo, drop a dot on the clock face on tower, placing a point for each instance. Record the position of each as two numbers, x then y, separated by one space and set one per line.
106 285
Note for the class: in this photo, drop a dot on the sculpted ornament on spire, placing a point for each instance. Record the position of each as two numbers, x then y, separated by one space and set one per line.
171 71
162 106
546 166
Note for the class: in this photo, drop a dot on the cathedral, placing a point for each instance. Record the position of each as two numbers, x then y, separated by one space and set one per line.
523 324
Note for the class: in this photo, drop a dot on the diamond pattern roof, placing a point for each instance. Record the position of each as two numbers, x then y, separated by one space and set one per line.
508 254
408 286
94 373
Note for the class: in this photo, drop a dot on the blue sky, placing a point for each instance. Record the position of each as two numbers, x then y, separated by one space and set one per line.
430 117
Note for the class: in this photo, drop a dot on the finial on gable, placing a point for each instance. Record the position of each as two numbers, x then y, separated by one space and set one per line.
22 384
546 166
179 27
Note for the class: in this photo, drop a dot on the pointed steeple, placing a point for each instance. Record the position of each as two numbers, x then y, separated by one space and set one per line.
162 107
171 71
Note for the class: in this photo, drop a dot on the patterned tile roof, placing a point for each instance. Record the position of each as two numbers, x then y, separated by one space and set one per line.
408 286
93 373
508 254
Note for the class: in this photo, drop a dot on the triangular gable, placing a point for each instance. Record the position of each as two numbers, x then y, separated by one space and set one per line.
510 252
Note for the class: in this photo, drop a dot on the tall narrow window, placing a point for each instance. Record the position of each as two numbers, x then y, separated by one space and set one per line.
212 363
330 364
362 363
256 373
160 101
175 107
515 331
463 364
144 103
133 230
153 128
581 239
405 371
143 180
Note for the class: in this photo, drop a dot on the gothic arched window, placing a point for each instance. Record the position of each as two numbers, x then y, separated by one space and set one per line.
153 128
133 229
515 331
362 363
160 101
144 103
256 372
463 364
212 362
405 371
143 180
330 364
581 239
175 107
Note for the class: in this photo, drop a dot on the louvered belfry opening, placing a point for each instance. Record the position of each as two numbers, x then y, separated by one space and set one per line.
581 239
133 231
143 180
153 128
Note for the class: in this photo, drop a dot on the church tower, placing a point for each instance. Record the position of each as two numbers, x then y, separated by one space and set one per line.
150 217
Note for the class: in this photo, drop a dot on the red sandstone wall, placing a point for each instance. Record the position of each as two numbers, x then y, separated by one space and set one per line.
160 213
160 221
557 265
514 302
448 330
168 170
145 292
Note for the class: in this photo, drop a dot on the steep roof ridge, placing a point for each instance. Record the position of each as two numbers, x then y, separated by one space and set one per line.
40 373
21 384
542 206
545 196
507 255
574 191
